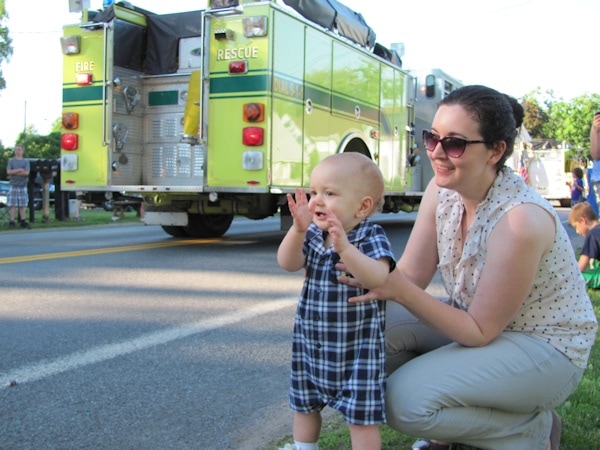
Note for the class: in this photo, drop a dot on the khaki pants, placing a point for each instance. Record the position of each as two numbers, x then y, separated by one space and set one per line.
495 397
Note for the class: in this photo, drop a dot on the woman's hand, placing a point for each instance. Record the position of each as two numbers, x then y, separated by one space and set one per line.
387 291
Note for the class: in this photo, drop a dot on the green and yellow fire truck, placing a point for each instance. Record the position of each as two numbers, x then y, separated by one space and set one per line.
220 112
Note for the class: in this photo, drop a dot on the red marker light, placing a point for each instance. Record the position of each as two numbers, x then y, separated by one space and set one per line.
236 67
253 136
83 79
69 141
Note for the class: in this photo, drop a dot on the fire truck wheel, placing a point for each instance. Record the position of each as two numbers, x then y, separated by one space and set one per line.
175 231
208 226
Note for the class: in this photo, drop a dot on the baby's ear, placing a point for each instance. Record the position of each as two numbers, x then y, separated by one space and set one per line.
366 207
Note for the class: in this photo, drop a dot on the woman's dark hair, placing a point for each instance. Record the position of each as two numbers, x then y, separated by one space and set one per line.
499 115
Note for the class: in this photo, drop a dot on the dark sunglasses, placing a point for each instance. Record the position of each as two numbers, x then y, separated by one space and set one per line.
452 146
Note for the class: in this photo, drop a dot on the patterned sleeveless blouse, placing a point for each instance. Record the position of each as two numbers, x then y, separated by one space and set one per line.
558 309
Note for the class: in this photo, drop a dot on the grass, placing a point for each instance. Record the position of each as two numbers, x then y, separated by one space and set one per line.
95 216
580 414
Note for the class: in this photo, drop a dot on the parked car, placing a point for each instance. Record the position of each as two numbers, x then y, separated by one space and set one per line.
3 191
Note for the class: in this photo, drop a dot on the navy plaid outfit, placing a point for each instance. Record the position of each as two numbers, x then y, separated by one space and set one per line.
338 348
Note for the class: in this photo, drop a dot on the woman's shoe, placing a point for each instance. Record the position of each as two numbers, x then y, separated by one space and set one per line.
423 444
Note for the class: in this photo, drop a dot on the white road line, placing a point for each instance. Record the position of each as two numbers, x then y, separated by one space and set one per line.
44 369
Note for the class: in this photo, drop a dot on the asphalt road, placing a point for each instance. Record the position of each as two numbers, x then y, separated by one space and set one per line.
122 337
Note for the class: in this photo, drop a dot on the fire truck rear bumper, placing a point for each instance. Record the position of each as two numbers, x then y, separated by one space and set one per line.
178 219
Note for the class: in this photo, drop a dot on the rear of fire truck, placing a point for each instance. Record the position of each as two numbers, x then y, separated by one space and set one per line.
220 112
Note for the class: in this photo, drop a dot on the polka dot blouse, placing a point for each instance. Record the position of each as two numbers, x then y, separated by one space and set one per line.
558 309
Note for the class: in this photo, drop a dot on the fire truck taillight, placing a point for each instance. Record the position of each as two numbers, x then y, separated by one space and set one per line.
70 120
70 45
255 26
254 112
83 79
69 141
237 67
253 136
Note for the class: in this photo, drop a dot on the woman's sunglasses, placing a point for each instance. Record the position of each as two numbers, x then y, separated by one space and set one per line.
453 147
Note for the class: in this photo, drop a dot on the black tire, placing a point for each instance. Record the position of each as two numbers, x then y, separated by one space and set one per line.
107 205
175 231
208 226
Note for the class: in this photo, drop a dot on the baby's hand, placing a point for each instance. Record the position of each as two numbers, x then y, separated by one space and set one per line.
299 209
338 235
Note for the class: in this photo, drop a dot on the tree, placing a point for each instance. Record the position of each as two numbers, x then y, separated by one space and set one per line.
535 116
549 118
571 121
39 146
6 49
36 146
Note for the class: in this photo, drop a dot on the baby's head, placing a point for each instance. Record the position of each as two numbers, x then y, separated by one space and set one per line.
357 174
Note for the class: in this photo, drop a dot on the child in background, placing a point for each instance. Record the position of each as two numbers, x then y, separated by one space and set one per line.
576 186
338 352
585 221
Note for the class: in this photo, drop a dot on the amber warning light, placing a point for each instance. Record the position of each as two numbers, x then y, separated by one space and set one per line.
70 120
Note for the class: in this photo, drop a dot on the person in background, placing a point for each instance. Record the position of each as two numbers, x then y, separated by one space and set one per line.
576 186
595 154
585 221
488 365
17 170
338 352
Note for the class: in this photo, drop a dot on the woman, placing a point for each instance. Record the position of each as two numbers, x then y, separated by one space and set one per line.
487 366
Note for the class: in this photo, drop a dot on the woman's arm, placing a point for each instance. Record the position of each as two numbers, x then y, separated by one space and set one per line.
419 260
505 282
420 257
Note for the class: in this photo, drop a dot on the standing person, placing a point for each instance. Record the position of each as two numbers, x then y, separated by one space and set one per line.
576 186
487 366
595 154
338 351
17 170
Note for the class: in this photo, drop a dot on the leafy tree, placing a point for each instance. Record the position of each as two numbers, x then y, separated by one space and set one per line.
570 121
6 49
36 146
39 146
549 118
535 116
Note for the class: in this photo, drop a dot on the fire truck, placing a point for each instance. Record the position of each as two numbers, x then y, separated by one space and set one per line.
221 112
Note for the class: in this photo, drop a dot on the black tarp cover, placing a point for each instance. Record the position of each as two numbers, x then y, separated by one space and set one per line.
161 39
333 15
164 33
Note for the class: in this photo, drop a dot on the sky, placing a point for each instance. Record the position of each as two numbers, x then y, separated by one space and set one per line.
514 46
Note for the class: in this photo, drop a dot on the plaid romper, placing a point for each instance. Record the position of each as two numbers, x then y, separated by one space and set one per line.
338 348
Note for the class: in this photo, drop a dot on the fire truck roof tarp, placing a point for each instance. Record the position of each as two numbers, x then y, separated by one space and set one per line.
333 15
164 32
